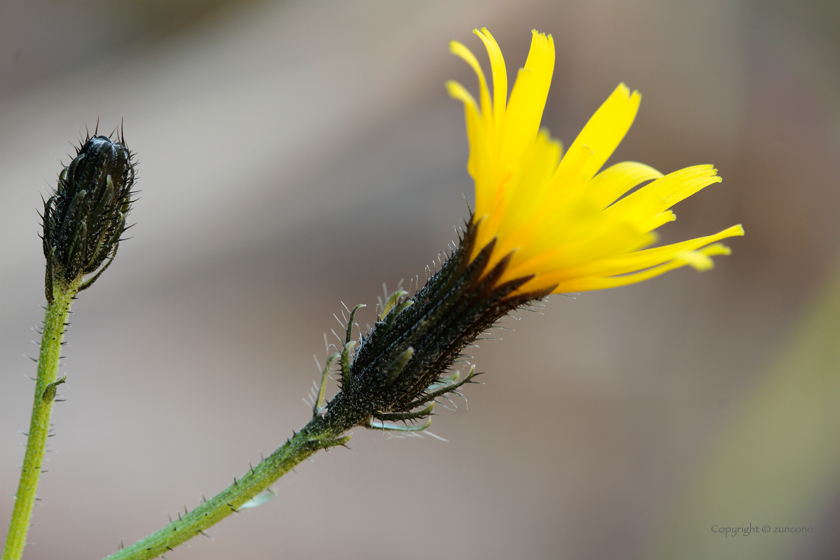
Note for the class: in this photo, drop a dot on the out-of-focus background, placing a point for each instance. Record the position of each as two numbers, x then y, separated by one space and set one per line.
295 155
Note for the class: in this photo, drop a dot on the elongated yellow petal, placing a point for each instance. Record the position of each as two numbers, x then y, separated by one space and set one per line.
460 50
600 283
527 189
527 100
474 131
640 260
607 127
618 179
479 164
499 72
671 188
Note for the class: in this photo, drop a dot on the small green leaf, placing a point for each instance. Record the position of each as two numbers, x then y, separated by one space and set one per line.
49 392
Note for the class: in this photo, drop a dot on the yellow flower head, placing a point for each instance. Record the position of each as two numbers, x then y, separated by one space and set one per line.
553 216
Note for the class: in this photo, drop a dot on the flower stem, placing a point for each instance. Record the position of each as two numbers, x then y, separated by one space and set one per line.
319 433
55 321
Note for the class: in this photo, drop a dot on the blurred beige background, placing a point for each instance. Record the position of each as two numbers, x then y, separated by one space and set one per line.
295 155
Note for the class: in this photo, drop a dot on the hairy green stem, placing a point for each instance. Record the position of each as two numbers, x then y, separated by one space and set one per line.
55 321
321 432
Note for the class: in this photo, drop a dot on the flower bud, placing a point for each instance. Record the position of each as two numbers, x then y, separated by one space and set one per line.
84 219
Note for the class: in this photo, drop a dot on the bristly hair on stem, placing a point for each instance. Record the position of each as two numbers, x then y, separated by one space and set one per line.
84 218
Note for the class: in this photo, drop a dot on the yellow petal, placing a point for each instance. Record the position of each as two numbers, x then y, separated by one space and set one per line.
613 182
463 52
600 283
527 100
526 191
607 127
479 164
497 67
647 258
671 188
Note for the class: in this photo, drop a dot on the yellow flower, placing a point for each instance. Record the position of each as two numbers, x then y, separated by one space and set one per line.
557 218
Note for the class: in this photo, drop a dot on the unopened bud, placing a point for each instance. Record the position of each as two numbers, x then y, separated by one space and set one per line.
85 218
